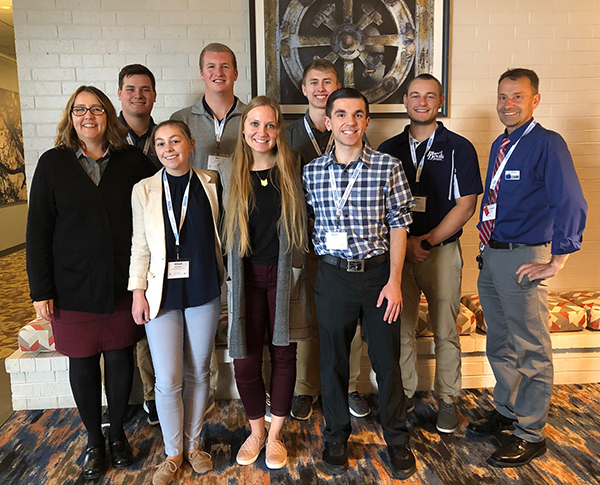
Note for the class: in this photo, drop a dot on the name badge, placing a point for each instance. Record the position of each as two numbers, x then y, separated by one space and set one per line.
420 203
178 269
512 175
214 160
336 240
489 212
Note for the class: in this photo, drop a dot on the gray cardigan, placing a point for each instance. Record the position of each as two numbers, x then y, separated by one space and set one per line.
292 305
202 127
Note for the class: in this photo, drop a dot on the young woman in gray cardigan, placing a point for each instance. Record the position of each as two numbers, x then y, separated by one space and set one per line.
266 238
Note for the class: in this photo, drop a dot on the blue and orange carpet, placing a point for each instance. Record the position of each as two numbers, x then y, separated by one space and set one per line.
45 447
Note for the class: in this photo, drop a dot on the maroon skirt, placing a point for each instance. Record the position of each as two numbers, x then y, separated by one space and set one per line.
83 334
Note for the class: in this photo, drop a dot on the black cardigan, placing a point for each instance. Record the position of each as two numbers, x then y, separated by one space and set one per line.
79 234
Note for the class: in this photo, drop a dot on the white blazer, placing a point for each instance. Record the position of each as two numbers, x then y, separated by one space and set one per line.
148 248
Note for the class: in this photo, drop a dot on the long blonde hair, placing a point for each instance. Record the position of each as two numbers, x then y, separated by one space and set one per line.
241 198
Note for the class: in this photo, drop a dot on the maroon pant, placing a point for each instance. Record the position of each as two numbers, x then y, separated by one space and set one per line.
261 290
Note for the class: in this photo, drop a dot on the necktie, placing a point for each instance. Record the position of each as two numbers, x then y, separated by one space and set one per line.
487 227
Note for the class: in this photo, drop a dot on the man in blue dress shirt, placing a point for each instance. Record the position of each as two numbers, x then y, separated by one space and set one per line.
532 217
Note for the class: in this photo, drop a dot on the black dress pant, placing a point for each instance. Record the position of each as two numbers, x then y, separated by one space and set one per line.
343 298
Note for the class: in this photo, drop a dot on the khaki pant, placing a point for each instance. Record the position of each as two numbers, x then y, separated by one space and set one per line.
308 377
439 277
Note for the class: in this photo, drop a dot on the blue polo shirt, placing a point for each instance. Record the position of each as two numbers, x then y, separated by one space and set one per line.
450 171
540 197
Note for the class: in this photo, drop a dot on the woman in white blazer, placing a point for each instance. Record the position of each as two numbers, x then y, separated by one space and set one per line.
175 275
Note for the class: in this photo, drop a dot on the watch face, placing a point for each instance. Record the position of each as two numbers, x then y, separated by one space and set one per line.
426 245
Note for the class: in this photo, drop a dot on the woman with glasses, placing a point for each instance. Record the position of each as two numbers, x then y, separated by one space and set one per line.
266 240
78 249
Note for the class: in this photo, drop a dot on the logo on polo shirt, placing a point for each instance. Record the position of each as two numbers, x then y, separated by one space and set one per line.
435 156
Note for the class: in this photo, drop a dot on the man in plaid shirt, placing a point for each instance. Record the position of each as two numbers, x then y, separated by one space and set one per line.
360 202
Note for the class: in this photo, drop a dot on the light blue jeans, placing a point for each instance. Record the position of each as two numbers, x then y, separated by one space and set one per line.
181 343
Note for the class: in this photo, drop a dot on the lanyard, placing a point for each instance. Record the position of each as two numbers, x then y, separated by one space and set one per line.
311 135
341 202
498 174
184 206
147 144
219 127
413 155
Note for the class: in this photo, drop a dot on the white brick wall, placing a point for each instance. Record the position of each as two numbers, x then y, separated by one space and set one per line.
64 43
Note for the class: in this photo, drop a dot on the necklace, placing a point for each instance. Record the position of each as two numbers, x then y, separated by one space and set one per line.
263 182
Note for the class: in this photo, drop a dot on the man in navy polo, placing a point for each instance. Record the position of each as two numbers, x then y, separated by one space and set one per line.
532 217
443 173
137 93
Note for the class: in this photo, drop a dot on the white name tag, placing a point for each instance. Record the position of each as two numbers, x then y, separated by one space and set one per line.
489 212
512 175
178 269
214 160
336 240
420 203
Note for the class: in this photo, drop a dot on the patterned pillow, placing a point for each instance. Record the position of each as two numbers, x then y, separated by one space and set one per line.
221 337
472 302
37 336
465 321
565 316
590 301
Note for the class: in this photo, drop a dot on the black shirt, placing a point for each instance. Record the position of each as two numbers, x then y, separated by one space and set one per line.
197 245
264 217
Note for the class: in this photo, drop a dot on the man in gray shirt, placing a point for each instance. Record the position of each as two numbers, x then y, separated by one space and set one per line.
214 119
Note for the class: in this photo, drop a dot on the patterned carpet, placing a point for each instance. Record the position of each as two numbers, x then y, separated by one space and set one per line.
14 301
44 447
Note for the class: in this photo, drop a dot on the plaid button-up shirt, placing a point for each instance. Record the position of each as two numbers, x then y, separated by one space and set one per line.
379 201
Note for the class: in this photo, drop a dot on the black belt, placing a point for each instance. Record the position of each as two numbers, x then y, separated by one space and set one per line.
354 265
507 245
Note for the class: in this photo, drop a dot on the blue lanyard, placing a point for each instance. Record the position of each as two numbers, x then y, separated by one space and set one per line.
311 135
341 202
219 127
498 174
171 214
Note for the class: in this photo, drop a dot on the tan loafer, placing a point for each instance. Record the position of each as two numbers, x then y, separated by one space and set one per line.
250 450
276 455
200 460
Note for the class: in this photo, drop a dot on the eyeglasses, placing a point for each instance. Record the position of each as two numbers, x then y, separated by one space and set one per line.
82 110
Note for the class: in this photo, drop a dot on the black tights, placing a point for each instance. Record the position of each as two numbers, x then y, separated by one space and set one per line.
86 384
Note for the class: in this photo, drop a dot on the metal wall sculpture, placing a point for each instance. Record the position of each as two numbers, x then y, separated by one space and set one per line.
12 160
376 45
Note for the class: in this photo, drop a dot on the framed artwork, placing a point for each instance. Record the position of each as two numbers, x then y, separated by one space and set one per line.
12 160
377 46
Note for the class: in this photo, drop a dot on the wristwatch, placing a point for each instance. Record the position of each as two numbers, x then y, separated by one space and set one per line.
426 245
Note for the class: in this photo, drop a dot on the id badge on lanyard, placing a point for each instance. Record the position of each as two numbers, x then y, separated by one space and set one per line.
338 239
420 200
178 268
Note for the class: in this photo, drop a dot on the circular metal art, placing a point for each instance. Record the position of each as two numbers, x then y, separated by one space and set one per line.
373 39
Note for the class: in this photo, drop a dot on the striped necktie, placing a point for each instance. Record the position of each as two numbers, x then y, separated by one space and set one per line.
487 227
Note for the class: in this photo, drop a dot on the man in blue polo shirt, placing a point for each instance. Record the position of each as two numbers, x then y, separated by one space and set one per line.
443 173
532 217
